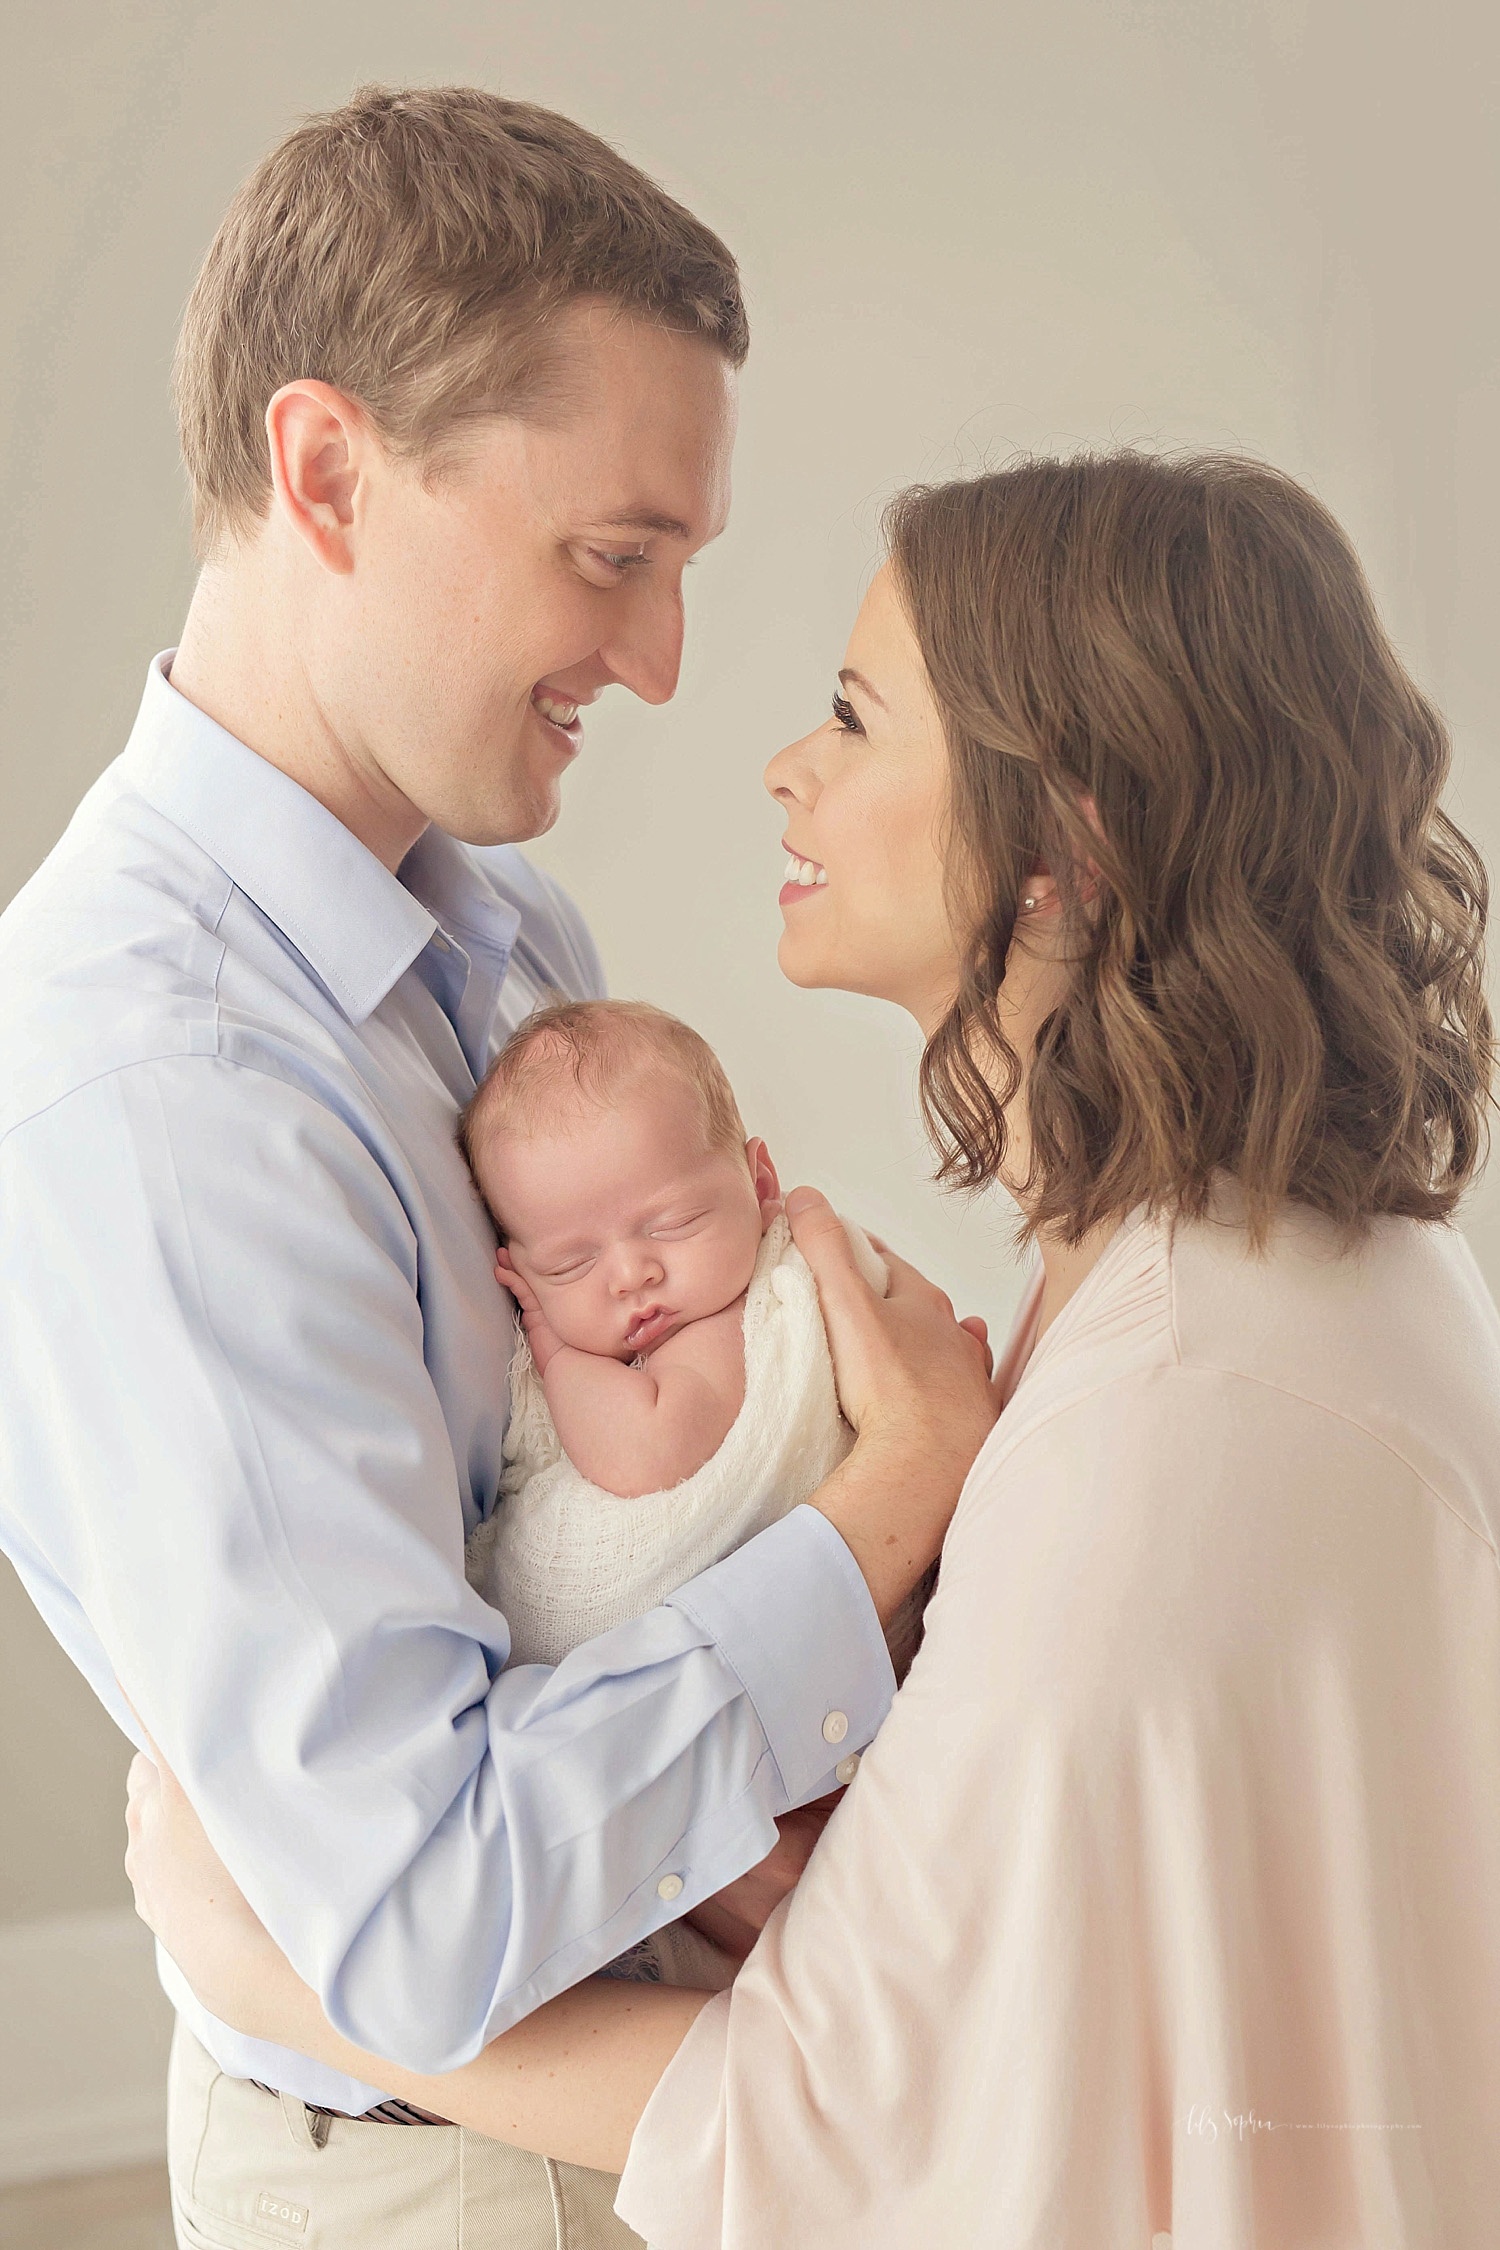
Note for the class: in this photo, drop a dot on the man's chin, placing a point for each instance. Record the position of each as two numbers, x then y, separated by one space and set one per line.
516 822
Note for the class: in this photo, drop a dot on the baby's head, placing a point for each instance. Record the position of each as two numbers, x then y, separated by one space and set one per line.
611 1155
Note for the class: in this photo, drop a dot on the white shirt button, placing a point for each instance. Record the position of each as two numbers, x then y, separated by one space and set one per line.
835 1726
848 1767
670 1886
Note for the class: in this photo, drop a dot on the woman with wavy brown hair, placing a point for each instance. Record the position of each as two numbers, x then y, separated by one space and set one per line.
1164 1906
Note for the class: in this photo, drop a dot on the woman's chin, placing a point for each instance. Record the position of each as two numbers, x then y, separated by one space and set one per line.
799 963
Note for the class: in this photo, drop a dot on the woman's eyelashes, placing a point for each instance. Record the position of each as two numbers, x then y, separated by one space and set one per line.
845 713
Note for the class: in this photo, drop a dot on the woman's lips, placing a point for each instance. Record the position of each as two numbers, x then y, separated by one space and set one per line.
807 876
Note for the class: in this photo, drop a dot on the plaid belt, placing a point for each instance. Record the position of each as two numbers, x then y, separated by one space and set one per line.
392 2112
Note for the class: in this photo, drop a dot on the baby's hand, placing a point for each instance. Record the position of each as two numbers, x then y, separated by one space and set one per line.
543 1338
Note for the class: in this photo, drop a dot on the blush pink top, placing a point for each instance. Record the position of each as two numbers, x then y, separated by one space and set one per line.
1165 1907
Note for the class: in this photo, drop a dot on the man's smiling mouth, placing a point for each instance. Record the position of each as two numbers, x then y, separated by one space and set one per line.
559 711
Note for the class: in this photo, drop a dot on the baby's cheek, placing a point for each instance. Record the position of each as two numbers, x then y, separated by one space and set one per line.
574 1320
727 1272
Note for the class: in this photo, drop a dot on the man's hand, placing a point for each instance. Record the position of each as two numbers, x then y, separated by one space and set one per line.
735 1916
540 1334
915 1382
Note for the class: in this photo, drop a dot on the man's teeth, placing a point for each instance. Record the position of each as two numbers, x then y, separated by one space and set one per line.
555 708
806 871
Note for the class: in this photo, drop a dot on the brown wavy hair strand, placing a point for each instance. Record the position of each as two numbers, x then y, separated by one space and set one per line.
1281 973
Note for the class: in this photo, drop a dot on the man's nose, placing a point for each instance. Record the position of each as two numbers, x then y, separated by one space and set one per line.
644 653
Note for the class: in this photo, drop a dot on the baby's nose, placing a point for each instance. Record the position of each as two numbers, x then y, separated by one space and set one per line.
636 1266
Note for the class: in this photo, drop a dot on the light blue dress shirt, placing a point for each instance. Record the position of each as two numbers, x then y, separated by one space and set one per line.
253 1391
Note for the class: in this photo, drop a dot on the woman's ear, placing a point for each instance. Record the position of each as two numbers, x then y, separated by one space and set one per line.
767 1186
1038 891
1088 882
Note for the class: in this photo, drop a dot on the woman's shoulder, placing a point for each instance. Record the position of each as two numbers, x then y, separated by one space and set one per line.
1398 1335
1404 1280
1397 1339
1264 1433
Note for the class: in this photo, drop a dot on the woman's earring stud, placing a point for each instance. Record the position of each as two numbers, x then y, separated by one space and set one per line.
1028 902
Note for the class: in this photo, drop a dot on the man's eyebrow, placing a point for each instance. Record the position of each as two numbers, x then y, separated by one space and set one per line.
850 678
645 519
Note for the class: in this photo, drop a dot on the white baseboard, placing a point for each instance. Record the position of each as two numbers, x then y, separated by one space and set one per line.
84 2033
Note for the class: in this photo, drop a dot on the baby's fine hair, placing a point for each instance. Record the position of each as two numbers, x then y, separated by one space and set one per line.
587 1050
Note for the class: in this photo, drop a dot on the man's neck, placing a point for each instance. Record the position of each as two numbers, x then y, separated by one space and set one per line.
237 666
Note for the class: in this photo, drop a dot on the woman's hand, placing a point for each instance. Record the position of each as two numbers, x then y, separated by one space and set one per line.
187 1897
915 1382
570 2081
905 1364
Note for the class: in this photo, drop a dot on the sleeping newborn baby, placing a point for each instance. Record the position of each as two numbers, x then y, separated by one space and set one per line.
674 1393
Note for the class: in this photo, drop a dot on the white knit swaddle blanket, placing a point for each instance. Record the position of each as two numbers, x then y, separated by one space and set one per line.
564 1559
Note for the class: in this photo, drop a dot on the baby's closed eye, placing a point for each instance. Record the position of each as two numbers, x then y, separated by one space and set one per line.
665 1228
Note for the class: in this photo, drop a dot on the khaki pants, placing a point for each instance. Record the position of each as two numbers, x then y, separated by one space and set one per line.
248 2173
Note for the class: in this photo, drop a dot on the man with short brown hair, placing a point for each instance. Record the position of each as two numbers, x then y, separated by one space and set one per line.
457 395
415 248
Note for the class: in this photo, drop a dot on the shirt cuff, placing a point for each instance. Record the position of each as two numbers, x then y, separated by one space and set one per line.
791 1615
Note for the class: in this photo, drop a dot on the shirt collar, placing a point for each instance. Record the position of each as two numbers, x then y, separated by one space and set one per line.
443 875
357 925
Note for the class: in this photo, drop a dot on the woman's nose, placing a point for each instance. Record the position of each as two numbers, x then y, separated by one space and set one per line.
791 777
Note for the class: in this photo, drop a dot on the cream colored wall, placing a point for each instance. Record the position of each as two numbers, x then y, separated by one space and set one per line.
965 228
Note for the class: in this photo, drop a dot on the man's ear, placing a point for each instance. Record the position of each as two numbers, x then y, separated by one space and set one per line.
321 446
767 1186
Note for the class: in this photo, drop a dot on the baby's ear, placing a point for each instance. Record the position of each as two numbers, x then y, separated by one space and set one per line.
767 1186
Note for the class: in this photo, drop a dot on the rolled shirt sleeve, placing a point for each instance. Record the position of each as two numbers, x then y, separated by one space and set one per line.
229 1486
